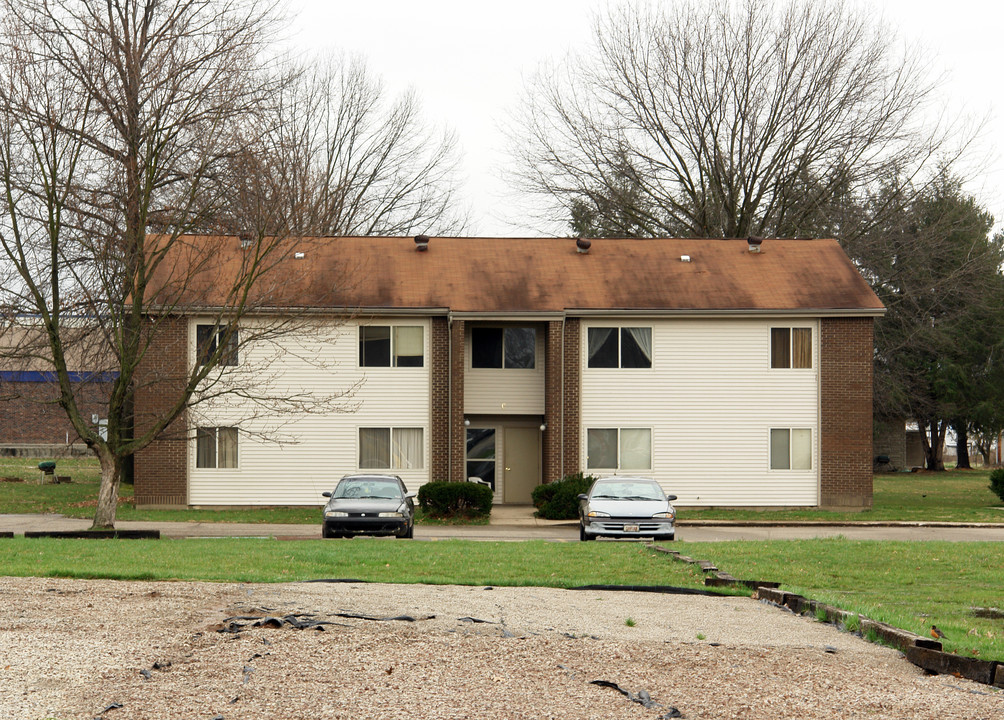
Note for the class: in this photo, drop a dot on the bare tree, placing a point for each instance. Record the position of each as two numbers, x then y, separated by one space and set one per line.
117 117
727 119
350 161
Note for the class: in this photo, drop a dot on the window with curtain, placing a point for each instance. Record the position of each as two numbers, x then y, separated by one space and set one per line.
513 348
210 337
626 347
216 447
619 448
391 448
790 449
791 347
391 345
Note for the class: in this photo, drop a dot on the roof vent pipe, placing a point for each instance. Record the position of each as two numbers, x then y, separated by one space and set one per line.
754 244
421 243
582 245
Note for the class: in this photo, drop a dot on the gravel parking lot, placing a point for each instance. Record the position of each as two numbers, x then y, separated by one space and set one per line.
72 648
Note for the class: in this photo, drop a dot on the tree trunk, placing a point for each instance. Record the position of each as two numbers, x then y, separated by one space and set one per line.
108 494
933 437
962 446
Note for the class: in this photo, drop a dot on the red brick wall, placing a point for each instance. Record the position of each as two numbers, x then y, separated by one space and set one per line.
29 414
458 449
572 383
439 424
161 469
551 437
846 349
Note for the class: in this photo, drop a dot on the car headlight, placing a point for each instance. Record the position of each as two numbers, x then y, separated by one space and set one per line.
390 514
670 515
335 513
597 513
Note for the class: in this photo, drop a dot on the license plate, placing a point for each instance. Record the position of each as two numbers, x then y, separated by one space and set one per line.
630 528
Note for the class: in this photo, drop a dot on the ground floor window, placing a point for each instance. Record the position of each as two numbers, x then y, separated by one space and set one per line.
481 454
790 449
216 447
619 448
391 448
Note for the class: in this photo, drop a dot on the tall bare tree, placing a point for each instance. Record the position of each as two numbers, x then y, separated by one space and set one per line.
352 160
727 119
127 125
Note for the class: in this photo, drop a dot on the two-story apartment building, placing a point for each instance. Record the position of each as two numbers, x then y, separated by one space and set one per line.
737 373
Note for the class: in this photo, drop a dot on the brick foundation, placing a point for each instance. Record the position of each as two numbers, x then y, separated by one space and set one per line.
846 349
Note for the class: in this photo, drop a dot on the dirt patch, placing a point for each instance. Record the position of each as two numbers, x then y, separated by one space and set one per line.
74 648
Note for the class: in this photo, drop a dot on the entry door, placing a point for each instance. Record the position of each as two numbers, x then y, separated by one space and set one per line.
522 464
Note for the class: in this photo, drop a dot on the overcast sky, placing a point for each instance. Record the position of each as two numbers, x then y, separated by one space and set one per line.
467 60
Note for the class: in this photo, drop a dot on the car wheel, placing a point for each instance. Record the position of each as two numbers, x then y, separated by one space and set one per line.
326 533
583 536
665 538
408 534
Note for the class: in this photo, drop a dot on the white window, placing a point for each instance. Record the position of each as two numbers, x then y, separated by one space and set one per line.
391 448
790 449
391 346
216 447
791 347
619 448
626 347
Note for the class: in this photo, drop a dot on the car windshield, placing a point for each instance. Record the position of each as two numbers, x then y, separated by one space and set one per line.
627 491
368 488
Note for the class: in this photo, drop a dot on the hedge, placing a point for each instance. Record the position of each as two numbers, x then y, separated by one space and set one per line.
450 499
559 500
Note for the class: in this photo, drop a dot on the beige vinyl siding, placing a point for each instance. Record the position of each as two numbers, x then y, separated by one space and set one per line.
491 391
315 449
711 399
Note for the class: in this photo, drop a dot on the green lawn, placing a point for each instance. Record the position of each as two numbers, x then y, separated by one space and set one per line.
911 585
954 496
950 496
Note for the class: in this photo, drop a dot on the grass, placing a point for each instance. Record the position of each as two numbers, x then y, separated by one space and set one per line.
911 585
950 496
461 562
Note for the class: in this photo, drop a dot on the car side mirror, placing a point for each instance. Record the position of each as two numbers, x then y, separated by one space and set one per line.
583 497
671 498
325 494
411 494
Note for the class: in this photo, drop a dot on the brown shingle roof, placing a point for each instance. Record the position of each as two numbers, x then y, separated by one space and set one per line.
534 275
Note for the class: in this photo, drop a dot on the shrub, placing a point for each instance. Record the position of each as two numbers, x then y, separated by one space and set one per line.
452 499
560 500
997 482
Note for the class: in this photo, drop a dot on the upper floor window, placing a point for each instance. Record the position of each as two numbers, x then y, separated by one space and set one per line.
216 447
210 337
510 347
791 347
626 347
387 345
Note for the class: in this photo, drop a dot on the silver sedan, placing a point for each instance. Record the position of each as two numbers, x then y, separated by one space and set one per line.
626 507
